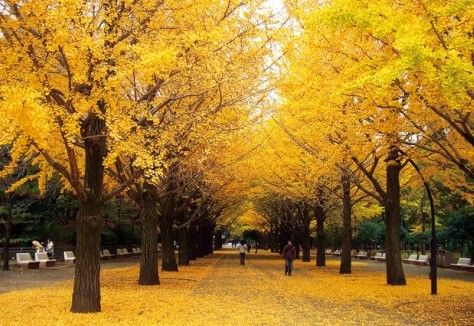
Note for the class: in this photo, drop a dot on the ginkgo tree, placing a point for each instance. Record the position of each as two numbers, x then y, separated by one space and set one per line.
81 81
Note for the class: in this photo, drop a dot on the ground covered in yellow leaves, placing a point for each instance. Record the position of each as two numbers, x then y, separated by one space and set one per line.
217 290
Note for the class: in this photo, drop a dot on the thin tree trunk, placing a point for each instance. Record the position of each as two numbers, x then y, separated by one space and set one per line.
149 256
306 236
183 253
192 242
169 258
86 292
200 240
395 274
422 221
320 237
218 240
345 267
6 245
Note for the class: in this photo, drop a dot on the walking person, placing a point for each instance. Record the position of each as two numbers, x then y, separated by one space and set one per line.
242 250
289 253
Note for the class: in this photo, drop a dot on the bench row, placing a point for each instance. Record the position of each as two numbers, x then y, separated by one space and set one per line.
24 259
463 263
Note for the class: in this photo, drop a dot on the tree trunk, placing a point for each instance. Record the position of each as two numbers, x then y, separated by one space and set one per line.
306 243
395 274
320 237
183 254
200 240
345 267
218 240
422 222
6 245
149 255
86 293
192 242
169 258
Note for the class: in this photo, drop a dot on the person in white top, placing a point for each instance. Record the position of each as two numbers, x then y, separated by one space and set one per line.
50 248
242 250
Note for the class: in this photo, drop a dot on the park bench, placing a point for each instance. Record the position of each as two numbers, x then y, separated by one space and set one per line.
44 260
69 256
328 251
23 259
422 260
137 251
362 255
383 257
123 252
412 259
336 252
377 256
464 264
106 254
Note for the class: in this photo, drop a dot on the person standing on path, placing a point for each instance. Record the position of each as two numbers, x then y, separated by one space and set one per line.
242 250
289 253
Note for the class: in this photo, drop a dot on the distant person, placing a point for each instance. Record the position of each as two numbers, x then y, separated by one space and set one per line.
37 246
289 253
248 247
242 250
50 248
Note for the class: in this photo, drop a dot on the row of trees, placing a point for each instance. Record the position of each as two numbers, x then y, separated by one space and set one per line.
371 90
141 98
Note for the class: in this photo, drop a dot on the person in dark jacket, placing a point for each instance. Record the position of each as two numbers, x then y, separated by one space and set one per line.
289 253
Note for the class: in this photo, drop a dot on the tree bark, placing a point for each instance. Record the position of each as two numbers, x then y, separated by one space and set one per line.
183 254
320 237
395 274
149 256
345 267
169 258
200 240
192 242
86 293
218 240
306 243
6 245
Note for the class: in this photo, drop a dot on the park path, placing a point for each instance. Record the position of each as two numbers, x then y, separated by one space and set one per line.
261 294
216 290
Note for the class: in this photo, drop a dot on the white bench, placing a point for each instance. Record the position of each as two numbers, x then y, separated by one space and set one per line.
362 255
412 259
137 251
328 251
122 252
43 258
69 256
23 259
464 264
377 256
106 254
423 260
125 252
